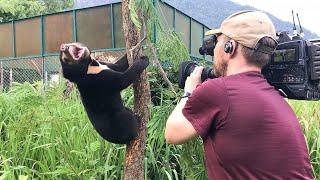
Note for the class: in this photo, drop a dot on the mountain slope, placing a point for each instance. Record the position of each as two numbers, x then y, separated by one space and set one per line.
89 3
212 13
209 12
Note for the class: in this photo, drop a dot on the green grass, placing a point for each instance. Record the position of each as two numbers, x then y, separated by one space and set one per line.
44 136
309 116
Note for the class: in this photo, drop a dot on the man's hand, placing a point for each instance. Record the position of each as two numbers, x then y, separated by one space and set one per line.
194 79
178 129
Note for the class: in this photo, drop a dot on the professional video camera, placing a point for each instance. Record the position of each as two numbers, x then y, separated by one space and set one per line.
294 68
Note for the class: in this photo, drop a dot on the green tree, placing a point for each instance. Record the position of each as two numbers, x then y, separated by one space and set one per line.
16 9
52 6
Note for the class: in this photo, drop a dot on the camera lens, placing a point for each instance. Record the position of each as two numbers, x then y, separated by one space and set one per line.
187 67
207 73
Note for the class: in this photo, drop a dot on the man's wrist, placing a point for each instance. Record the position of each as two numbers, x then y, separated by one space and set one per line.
186 94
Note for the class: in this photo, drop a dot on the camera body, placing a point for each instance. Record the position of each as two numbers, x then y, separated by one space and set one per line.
294 68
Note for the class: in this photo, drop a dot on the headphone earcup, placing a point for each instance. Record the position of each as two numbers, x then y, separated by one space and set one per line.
228 47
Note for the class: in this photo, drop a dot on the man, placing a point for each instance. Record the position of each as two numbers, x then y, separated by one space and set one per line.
249 131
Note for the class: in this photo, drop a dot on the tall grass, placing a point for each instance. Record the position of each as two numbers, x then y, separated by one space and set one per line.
309 116
44 136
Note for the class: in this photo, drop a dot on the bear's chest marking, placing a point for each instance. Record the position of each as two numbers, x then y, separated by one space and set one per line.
96 69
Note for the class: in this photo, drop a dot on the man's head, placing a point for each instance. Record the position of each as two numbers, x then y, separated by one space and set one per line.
249 34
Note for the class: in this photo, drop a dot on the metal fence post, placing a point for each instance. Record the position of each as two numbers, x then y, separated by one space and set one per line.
74 19
10 77
43 44
14 38
154 26
1 77
174 19
190 35
112 26
44 71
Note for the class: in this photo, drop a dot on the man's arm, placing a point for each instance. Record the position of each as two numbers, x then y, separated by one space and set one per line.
178 129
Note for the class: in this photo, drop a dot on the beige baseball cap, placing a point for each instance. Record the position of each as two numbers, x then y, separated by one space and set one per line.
246 27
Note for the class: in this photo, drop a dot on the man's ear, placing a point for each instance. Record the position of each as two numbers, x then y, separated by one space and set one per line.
234 47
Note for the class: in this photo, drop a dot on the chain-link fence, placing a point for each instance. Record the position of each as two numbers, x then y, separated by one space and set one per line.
48 70
45 69
23 70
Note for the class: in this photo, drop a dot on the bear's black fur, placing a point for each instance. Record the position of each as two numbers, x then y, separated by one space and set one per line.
100 90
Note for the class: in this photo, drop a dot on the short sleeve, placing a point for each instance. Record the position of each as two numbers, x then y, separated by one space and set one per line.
208 103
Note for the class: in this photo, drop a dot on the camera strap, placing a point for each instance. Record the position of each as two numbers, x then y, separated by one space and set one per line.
282 93
186 94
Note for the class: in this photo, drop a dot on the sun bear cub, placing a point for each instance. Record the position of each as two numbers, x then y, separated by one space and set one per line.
100 84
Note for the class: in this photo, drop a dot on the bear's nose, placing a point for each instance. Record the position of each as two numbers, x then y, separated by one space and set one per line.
63 47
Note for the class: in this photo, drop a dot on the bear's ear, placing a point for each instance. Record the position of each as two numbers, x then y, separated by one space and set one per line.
94 63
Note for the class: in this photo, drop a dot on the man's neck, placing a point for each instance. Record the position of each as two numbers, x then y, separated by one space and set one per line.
240 67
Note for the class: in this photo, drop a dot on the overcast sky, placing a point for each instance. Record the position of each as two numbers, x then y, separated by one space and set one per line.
308 10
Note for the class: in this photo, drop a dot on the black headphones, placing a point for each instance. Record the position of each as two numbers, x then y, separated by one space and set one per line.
228 47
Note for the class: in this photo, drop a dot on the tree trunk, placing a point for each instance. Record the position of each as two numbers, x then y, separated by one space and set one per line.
134 160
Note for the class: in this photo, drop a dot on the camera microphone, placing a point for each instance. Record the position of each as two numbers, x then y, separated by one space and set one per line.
208 45
202 51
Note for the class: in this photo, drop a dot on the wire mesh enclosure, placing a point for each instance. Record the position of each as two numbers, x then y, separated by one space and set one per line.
46 69
29 47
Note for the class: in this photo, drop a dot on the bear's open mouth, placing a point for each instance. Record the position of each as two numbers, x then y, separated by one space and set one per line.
76 52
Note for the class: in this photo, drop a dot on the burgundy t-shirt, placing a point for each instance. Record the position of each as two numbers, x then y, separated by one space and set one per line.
249 130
